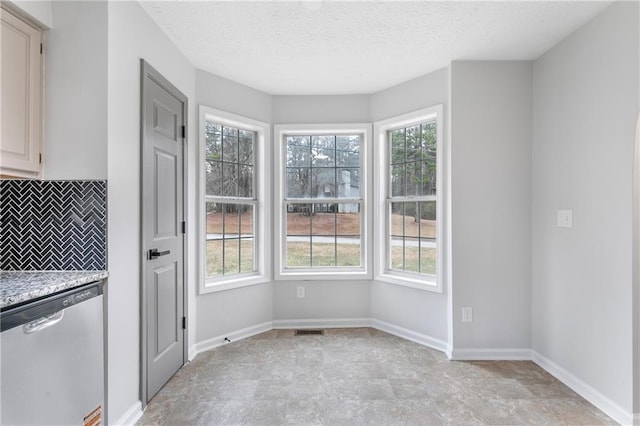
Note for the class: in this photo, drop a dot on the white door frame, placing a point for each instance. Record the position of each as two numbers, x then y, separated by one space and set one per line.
148 72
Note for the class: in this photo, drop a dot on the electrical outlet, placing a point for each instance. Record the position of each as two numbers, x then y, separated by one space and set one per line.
300 292
467 314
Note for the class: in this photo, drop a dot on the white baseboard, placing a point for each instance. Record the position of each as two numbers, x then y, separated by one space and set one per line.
217 341
131 416
322 323
609 407
481 354
407 334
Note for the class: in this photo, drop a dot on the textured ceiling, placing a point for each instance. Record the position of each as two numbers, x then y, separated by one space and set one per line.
333 47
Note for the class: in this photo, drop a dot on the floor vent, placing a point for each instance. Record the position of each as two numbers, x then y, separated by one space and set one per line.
309 333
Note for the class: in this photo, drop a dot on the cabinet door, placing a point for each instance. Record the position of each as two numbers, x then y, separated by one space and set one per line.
21 87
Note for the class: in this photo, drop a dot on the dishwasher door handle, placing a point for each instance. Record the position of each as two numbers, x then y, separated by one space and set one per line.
42 323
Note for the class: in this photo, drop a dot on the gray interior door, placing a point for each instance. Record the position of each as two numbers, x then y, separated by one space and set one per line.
163 240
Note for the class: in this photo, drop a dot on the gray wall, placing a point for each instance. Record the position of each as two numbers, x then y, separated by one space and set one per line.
419 311
422 92
321 109
226 95
324 300
491 204
224 312
585 108
75 111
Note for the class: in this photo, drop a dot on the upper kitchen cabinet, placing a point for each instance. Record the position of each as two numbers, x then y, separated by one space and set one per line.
21 88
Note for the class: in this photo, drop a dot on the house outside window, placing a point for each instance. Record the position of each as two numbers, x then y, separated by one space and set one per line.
409 218
234 208
323 189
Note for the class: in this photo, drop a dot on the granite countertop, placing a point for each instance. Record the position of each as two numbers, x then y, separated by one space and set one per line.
21 286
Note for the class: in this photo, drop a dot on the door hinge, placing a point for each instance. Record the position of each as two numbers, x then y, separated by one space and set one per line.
40 158
41 48
184 132
184 323
184 227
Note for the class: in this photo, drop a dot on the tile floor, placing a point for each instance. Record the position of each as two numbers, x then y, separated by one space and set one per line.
359 376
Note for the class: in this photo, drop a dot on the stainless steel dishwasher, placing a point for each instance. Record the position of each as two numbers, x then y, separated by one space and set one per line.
52 360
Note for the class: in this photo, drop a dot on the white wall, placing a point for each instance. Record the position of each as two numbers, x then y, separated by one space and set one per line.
75 119
133 35
491 205
419 311
586 104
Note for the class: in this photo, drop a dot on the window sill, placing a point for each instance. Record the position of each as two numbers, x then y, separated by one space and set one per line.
322 275
216 285
426 284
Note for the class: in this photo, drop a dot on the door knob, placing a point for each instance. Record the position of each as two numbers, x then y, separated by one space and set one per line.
153 253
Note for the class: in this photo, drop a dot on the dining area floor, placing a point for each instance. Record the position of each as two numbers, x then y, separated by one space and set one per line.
364 376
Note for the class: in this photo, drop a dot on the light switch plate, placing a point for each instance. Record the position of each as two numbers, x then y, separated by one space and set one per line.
565 218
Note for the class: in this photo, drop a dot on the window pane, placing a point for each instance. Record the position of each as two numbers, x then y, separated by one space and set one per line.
348 220
348 183
397 219
230 221
213 141
245 181
226 223
214 257
397 253
213 170
323 151
298 182
229 180
411 255
429 140
428 257
246 220
413 143
298 151
231 257
397 146
246 255
298 252
246 147
414 178
398 180
428 219
323 223
312 172
348 150
299 219
348 251
230 144
214 218
323 251
323 182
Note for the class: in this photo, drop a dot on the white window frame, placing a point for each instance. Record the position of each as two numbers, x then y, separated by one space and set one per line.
366 225
381 218
262 210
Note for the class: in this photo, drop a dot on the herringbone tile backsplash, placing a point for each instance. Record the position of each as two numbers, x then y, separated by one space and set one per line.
53 225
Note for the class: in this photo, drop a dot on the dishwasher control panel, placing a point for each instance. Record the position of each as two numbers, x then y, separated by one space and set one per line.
48 306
